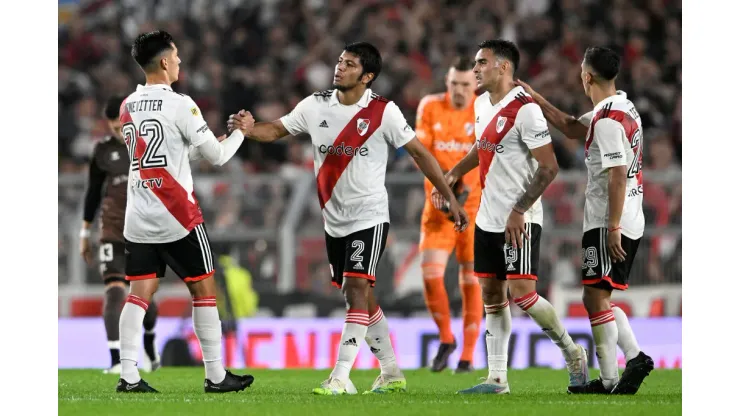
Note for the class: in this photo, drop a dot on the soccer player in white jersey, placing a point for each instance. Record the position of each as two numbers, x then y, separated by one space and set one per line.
613 219
351 128
164 225
517 163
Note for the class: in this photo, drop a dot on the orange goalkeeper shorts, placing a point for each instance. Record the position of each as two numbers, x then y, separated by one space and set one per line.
438 233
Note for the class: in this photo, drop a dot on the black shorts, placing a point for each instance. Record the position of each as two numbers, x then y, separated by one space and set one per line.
356 255
598 270
112 261
494 258
190 258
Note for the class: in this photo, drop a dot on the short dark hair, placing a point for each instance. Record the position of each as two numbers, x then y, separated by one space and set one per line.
369 58
503 49
604 61
113 107
463 63
148 46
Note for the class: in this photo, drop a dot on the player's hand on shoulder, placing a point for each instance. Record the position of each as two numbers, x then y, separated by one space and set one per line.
527 88
242 120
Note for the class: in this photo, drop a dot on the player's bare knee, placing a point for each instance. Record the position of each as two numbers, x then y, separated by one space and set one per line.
493 290
596 299
203 288
355 292
144 289
522 287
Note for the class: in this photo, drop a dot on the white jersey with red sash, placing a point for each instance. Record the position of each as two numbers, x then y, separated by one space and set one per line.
350 148
505 133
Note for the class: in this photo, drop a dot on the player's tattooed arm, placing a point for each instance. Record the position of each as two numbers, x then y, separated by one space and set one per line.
566 123
546 172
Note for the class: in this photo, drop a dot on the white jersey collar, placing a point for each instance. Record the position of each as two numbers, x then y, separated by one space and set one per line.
364 100
620 96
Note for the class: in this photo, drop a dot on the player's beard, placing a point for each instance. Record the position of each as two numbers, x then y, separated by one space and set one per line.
344 88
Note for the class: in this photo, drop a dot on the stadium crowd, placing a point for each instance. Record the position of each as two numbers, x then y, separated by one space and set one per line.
266 55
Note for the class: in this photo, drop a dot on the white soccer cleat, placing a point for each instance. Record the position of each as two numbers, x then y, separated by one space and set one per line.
334 386
578 368
116 369
388 384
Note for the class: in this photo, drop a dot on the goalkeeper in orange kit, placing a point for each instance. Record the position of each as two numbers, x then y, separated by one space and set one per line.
445 125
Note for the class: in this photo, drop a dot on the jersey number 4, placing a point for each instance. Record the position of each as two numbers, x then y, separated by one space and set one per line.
152 132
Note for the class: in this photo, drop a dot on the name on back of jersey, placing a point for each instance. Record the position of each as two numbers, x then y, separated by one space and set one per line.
144 105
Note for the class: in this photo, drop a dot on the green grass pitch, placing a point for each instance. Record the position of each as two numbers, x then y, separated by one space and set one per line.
288 392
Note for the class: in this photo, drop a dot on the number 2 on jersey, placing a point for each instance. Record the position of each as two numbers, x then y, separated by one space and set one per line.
149 129
636 144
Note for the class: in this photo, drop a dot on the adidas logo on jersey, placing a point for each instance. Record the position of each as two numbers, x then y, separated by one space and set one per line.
358 266
350 341
324 124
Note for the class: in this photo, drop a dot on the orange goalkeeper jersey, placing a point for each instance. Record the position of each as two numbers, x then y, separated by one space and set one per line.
449 135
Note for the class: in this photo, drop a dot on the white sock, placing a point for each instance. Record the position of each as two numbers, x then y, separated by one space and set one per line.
542 312
130 327
625 338
604 329
207 326
379 339
355 329
498 331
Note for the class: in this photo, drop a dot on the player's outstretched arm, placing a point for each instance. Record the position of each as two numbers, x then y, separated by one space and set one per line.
431 169
465 165
566 123
198 135
266 132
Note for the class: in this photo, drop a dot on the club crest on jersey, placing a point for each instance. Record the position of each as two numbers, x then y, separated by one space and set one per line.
500 124
469 129
362 125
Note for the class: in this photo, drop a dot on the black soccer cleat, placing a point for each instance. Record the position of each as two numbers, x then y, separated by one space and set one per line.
464 367
140 387
634 373
443 354
232 382
595 386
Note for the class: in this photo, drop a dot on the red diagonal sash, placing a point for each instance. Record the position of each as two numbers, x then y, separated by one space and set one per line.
347 140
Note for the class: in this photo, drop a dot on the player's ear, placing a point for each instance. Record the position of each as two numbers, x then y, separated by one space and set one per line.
367 77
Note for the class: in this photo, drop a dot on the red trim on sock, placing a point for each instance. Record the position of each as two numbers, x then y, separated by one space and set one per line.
357 316
496 308
204 302
600 318
376 317
525 302
138 301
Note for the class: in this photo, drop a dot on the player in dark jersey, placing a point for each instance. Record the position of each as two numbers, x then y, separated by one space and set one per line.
107 183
